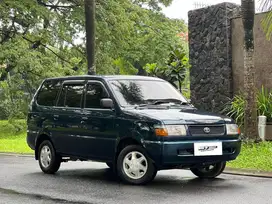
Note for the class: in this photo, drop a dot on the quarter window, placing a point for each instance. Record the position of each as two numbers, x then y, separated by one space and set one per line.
71 95
48 94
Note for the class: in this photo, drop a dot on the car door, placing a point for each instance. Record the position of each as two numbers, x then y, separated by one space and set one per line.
68 116
98 124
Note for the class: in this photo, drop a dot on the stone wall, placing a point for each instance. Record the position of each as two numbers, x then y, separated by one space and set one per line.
211 56
263 55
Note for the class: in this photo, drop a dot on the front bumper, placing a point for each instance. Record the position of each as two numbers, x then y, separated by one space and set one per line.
171 154
182 152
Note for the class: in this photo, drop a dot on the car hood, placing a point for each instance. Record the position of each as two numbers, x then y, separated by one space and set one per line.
184 116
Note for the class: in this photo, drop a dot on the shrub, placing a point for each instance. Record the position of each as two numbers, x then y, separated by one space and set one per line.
13 127
264 103
236 108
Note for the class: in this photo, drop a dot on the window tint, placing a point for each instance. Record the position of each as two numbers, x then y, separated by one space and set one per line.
71 95
48 94
138 92
94 93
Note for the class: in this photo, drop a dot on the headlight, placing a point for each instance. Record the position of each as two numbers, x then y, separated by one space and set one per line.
171 130
232 129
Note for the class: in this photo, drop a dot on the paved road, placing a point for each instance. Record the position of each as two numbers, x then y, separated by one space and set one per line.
21 181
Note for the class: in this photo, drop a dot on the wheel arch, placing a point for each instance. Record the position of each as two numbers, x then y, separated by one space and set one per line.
125 142
42 137
129 141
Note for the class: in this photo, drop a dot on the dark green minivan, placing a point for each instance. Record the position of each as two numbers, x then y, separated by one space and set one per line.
137 125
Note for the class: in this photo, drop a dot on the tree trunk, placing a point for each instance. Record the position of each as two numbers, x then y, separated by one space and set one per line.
250 127
250 123
90 35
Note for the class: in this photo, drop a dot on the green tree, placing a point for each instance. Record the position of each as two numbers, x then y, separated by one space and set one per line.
248 14
137 35
42 38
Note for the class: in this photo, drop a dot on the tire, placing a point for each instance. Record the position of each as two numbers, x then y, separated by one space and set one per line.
46 150
209 173
134 166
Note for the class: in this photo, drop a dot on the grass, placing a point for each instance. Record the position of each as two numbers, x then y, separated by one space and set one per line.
13 137
15 144
253 156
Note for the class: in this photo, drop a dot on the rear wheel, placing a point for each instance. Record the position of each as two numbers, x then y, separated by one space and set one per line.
49 161
210 171
134 166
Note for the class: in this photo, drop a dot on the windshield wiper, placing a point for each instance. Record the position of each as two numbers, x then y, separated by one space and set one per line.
168 100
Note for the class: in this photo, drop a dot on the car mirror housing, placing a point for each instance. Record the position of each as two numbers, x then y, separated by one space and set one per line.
106 103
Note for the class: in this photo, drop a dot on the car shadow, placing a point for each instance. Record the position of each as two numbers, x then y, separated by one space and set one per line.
163 182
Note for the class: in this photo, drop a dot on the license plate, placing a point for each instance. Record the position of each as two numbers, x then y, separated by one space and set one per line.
208 149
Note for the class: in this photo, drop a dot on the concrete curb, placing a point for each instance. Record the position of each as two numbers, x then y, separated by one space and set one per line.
16 154
248 172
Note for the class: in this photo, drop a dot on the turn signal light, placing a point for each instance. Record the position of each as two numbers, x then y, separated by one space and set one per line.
170 130
161 132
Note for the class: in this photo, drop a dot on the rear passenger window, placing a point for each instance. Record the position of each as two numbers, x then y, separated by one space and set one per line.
47 95
71 95
94 93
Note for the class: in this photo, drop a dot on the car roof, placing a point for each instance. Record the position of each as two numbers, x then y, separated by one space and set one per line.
106 77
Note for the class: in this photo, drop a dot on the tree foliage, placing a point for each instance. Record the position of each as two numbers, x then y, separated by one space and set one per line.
46 38
175 68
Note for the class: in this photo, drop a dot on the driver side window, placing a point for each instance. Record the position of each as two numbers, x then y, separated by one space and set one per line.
94 93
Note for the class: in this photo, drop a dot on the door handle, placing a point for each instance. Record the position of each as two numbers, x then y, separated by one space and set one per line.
56 117
84 120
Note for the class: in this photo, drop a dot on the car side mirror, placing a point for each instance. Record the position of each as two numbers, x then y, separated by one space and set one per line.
106 103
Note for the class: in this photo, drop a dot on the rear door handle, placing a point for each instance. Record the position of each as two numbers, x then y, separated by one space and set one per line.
84 120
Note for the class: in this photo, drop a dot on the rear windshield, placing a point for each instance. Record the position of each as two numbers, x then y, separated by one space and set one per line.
47 95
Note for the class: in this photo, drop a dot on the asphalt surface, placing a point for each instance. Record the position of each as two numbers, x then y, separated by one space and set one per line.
21 181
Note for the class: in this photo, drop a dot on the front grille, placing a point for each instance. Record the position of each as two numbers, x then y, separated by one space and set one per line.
202 130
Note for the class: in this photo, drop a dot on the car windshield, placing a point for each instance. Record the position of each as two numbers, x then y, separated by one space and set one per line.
144 92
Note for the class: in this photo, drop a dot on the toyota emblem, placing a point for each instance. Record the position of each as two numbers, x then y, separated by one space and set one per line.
207 130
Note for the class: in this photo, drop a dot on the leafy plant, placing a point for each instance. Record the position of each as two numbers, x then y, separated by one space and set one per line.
264 103
266 5
175 69
236 108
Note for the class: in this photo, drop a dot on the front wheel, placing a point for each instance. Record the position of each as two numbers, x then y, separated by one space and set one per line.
134 166
49 161
210 171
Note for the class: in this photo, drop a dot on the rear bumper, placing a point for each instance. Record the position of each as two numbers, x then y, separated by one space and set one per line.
182 153
31 139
